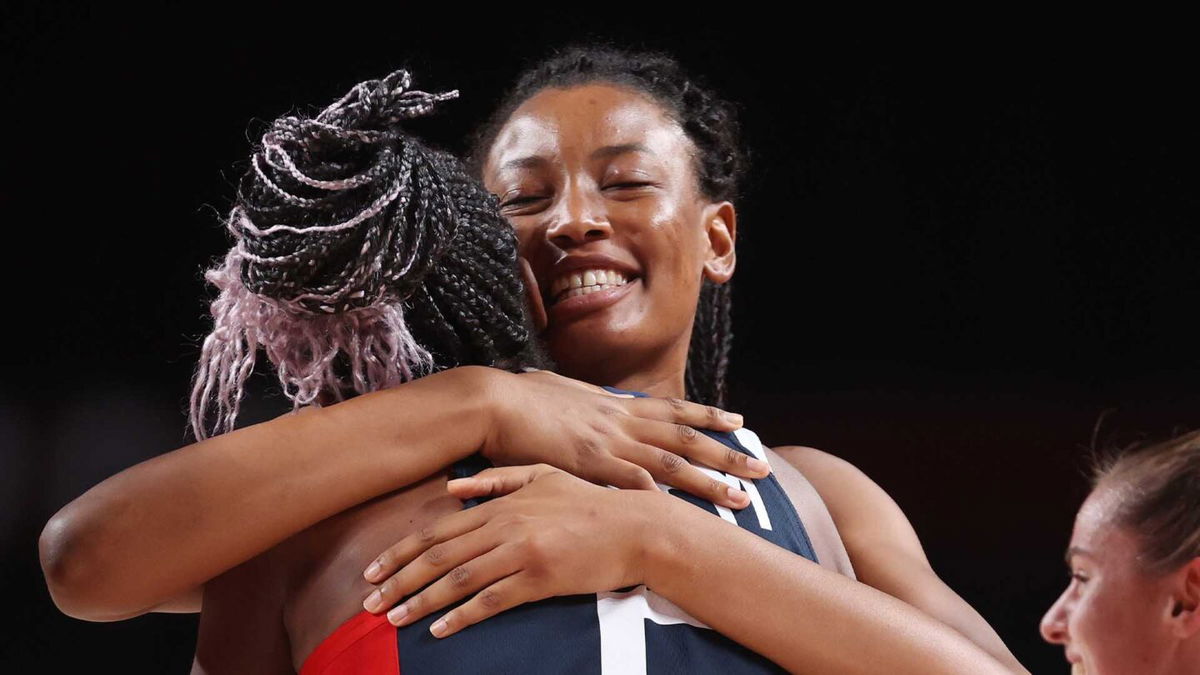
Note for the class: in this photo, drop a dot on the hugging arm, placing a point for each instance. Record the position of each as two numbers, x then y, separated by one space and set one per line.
885 549
155 532
149 537
551 534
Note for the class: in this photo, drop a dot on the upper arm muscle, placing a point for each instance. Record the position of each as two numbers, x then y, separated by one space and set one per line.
884 548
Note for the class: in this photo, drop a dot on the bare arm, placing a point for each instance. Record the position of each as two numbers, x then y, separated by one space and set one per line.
148 538
884 548
794 612
568 537
156 532
242 628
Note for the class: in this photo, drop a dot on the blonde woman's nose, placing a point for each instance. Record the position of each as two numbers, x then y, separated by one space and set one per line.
1054 623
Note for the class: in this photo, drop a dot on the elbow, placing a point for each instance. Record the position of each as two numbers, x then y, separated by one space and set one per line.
74 571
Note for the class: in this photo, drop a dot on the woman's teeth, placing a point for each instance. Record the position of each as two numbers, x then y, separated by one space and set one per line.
584 282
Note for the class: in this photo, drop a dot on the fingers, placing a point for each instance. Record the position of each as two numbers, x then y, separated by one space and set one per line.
504 594
446 528
685 441
454 558
673 470
497 481
457 583
621 474
686 413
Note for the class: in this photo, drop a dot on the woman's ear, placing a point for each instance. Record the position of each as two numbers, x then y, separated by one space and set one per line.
533 296
1185 601
720 227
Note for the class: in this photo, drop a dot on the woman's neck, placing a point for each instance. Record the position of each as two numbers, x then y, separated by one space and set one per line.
662 377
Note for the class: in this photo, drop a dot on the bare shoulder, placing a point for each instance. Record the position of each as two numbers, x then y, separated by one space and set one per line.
864 513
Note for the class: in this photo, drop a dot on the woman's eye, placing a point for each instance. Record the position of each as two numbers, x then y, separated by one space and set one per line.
1079 576
519 201
627 184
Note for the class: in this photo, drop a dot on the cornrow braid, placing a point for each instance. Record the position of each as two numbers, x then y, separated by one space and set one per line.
719 161
362 258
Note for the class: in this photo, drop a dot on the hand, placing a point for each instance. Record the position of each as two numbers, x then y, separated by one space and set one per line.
553 535
613 439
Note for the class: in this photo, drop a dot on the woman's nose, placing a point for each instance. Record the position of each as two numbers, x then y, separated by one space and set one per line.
577 221
1054 623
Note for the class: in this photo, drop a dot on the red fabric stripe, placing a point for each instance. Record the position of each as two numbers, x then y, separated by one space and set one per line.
365 643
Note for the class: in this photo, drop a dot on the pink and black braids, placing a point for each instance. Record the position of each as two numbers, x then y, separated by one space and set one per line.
361 259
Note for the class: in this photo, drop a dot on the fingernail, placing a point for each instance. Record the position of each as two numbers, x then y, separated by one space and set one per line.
758 466
397 615
372 571
438 628
734 417
736 496
373 601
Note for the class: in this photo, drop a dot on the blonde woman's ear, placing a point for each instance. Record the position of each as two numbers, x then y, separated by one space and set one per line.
1185 610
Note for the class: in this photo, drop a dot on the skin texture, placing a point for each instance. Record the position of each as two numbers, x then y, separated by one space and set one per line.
1114 618
639 340
570 195
601 171
102 554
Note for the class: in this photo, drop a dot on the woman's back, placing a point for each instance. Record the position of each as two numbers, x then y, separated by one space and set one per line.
311 586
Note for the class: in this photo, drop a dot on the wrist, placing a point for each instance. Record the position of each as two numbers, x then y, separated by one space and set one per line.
474 396
488 394
661 519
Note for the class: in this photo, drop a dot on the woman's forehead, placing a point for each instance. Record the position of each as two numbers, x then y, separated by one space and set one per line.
1097 531
582 122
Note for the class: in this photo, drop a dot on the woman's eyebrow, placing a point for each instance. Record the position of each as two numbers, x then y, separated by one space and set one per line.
609 151
1074 551
529 162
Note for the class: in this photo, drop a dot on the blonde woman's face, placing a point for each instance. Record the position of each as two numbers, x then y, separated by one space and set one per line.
1112 618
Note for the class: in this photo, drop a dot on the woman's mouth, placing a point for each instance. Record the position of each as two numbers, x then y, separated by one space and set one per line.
581 292
585 282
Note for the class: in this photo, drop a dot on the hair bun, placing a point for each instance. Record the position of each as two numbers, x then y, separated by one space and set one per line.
325 219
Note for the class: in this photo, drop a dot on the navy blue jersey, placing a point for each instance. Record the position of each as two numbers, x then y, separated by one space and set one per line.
624 632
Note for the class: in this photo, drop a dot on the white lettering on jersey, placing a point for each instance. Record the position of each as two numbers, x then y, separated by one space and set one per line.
623 615
623 628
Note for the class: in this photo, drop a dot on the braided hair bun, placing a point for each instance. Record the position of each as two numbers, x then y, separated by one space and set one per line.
362 258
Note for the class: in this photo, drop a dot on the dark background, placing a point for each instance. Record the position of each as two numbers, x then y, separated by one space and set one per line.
959 253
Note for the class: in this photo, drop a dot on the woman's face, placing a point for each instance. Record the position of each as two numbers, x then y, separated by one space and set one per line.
1113 617
599 183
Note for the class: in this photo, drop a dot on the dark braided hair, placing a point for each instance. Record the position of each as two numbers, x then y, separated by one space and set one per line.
719 161
362 259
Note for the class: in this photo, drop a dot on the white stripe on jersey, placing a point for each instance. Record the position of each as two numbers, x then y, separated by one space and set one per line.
623 628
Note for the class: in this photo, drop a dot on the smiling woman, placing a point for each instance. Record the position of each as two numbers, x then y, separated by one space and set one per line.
597 178
618 172
1133 604
620 162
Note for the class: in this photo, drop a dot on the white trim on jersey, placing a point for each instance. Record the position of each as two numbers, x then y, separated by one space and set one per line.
623 628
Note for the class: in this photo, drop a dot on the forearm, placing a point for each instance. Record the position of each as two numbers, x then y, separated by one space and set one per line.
171 523
803 617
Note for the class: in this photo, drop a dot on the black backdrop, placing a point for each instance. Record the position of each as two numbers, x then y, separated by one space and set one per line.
959 253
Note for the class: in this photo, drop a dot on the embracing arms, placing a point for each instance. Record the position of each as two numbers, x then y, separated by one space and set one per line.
163 527
554 535
149 537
